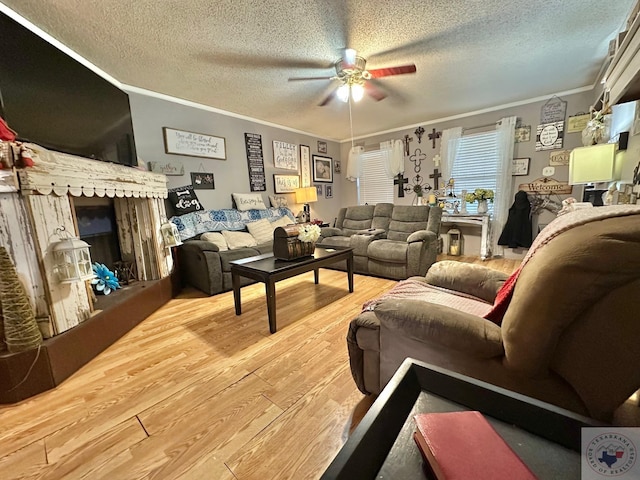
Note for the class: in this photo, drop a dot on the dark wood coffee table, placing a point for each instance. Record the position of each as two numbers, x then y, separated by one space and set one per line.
269 270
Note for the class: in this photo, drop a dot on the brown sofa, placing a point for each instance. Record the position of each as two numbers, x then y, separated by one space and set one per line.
569 336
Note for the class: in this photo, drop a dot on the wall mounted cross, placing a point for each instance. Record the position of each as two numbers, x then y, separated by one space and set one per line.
435 175
406 140
417 159
400 181
433 136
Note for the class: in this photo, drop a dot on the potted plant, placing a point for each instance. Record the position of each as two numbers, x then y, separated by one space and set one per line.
481 195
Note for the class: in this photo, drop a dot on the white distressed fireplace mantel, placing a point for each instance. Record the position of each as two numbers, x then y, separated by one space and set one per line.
43 202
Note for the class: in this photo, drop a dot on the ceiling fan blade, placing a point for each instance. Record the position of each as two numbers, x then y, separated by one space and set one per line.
386 72
374 92
296 79
327 99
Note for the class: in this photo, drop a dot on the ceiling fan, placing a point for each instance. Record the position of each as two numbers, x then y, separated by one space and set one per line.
354 78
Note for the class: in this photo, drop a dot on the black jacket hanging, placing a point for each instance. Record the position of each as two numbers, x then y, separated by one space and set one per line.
517 231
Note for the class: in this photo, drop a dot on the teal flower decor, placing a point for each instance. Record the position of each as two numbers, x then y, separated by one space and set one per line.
105 280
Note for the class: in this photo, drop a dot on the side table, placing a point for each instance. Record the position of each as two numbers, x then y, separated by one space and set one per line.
546 437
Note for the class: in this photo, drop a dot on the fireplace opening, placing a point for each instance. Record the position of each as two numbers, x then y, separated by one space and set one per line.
97 226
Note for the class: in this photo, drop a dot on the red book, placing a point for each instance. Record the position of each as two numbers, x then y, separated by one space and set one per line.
464 446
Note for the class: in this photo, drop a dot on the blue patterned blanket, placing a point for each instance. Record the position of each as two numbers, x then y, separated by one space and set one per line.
195 223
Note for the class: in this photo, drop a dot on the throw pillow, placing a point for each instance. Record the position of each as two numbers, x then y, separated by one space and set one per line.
238 239
262 230
281 222
217 238
184 200
248 201
279 201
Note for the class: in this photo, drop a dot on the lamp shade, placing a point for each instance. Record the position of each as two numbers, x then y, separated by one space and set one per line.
306 195
594 164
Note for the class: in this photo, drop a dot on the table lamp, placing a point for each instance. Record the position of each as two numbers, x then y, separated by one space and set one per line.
306 195
594 164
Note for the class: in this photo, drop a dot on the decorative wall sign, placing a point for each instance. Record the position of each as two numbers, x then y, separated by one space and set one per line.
578 122
553 111
305 166
520 166
255 161
202 181
285 183
192 144
322 169
549 136
560 157
545 185
548 171
167 168
285 155
322 147
522 134
328 191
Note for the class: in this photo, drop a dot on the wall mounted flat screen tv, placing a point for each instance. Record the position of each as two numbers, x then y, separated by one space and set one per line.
53 100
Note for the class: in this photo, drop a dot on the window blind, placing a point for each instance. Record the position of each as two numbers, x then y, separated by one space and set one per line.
476 165
373 185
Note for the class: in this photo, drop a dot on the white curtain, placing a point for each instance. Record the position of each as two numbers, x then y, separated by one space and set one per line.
503 197
354 164
448 151
392 157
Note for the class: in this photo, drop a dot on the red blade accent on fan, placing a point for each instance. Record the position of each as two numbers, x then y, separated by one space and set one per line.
386 72
374 92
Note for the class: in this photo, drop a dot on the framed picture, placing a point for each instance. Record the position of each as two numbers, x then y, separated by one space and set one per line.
336 166
319 190
305 166
328 191
202 181
285 155
192 144
322 147
285 183
523 134
322 169
520 166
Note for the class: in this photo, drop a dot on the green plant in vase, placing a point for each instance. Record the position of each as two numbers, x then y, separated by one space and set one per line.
480 195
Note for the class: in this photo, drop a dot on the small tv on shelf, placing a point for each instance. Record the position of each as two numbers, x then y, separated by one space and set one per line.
53 100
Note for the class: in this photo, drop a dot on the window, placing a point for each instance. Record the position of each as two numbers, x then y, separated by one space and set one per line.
373 185
476 165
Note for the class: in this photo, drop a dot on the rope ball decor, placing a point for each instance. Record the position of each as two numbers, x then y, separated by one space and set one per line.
20 327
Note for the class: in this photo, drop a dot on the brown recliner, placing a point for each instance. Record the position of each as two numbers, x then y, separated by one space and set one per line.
570 334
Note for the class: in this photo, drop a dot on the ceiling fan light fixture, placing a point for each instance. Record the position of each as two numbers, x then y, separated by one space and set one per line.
343 92
357 92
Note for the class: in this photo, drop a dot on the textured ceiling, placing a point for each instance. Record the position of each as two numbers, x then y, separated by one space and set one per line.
237 55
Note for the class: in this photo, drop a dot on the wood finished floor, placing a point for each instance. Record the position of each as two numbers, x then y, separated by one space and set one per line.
195 392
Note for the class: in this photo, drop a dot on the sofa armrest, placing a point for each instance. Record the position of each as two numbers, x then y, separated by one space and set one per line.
422 236
430 322
330 231
476 280
201 245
